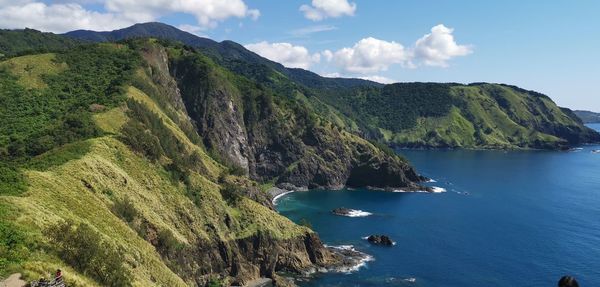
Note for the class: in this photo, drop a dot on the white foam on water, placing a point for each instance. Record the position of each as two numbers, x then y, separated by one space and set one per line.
358 213
437 189
349 269
276 198
361 263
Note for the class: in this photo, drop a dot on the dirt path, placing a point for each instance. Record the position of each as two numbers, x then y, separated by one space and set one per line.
13 281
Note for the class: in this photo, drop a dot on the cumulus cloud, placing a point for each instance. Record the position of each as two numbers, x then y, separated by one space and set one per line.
370 55
285 53
58 18
321 9
62 17
207 12
439 46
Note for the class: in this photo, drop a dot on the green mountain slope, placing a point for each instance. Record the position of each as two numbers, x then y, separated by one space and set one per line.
409 114
467 116
145 163
18 42
588 117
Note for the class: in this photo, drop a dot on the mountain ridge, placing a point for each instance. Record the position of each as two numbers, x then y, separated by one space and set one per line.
144 163
529 128
588 117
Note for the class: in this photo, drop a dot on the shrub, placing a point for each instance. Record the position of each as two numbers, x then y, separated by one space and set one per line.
12 182
167 243
84 249
13 248
304 222
124 209
231 193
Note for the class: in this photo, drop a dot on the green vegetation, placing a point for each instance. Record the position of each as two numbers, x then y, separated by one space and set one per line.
13 247
454 115
29 41
83 248
104 174
35 121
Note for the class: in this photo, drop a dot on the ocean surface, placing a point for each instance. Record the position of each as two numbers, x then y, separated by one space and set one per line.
517 218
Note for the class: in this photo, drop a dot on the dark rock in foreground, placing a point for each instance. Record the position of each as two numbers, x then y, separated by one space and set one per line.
382 240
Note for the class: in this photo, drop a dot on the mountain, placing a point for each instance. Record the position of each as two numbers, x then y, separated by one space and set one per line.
152 162
147 163
434 115
15 42
588 117
479 115
227 53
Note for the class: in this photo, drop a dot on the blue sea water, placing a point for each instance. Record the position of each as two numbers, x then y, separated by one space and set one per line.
517 218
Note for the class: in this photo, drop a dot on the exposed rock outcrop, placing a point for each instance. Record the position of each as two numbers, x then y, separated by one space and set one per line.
382 240
279 139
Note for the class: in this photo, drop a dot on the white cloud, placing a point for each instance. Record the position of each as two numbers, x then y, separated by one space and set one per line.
436 48
62 16
328 55
285 53
321 9
370 55
207 12
303 32
58 18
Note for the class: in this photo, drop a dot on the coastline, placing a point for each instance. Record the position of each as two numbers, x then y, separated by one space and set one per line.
277 193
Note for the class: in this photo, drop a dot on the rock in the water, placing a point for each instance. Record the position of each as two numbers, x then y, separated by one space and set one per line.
382 240
341 211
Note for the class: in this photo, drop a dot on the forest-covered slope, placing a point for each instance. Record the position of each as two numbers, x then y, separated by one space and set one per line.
454 115
146 163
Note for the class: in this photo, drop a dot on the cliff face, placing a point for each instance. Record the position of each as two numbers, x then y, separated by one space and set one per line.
274 137
149 185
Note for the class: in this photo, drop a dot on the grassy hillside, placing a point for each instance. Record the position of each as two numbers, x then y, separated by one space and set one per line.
110 184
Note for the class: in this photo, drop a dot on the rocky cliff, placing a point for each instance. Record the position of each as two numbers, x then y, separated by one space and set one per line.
275 138
145 164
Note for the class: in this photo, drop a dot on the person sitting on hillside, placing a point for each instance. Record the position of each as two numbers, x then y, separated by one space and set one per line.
58 276
567 281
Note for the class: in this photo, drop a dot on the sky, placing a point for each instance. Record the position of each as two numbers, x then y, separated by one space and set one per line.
550 46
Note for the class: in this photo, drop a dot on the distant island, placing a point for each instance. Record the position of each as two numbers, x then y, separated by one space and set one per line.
588 117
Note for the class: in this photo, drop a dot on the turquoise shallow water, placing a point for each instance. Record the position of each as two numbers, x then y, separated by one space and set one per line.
520 218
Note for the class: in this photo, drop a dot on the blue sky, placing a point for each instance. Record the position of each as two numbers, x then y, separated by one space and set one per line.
547 46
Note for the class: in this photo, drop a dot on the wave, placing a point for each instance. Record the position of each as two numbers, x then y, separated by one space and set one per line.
434 189
360 262
431 180
358 213
277 197
437 189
